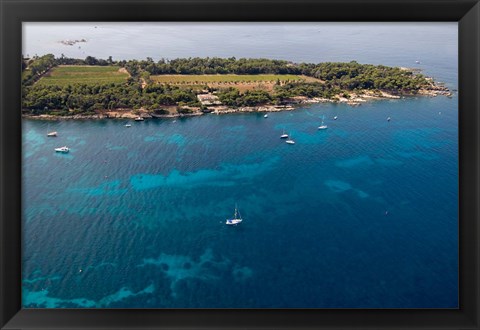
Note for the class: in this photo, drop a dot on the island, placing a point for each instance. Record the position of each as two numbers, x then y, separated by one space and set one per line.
69 42
64 87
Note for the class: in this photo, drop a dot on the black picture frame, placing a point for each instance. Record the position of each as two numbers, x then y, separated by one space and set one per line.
14 12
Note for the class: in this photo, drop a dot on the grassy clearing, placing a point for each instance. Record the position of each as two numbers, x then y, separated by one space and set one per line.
69 75
223 78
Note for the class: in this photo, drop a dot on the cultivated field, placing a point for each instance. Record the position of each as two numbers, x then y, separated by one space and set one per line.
223 78
76 74
241 82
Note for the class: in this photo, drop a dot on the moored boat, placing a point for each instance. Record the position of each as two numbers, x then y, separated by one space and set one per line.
237 218
290 140
323 126
64 149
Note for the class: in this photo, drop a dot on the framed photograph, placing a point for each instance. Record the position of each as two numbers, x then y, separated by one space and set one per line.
227 165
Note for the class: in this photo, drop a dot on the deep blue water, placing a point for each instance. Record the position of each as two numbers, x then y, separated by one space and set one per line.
362 215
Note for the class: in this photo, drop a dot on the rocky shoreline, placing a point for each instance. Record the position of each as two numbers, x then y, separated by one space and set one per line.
353 99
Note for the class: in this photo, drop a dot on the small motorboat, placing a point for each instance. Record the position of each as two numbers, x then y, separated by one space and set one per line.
388 119
265 116
139 119
128 125
335 118
52 134
62 149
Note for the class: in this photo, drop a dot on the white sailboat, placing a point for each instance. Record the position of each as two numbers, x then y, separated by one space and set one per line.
52 133
284 135
290 140
237 218
323 126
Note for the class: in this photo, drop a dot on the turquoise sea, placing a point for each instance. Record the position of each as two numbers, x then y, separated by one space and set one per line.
361 215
